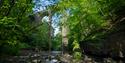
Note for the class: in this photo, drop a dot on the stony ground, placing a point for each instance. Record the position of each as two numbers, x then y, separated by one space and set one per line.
29 56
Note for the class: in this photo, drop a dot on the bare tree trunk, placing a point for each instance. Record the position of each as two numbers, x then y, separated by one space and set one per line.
64 31
64 34
120 52
50 27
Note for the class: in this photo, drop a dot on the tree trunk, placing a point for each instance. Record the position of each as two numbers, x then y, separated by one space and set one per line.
64 33
50 32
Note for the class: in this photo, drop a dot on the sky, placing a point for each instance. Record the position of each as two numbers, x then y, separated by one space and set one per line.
40 5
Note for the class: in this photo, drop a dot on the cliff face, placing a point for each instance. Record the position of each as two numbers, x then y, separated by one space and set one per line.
113 45
115 41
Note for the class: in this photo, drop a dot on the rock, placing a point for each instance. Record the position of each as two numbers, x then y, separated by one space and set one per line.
66 58
54 60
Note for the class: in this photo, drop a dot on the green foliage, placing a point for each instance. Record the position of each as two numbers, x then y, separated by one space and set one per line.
24 45
40 37
56 43
87 20
77 56
14 22
75 45
76 51
91 20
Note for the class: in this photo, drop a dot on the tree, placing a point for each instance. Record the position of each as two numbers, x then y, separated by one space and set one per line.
92 21
14 23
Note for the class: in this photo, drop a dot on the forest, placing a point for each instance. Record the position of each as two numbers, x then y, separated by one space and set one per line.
62 31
